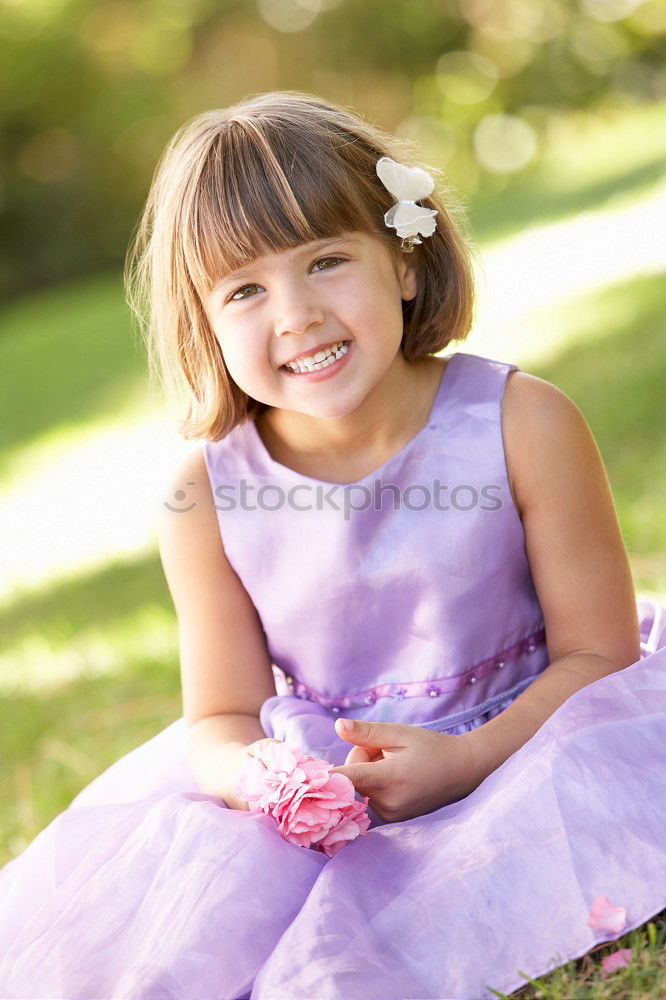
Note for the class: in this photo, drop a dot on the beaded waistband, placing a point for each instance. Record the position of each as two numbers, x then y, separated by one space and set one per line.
415 689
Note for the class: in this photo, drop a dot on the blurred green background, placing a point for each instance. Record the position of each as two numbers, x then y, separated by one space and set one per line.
549 119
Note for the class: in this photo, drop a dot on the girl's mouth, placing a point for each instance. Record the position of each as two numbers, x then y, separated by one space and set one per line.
326 368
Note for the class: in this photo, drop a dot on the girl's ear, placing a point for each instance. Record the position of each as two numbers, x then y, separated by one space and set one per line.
407 271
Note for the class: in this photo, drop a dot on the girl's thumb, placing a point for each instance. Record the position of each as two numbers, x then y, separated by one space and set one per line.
369 734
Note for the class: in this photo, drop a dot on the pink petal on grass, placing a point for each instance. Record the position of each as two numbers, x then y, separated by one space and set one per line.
619 959
605 916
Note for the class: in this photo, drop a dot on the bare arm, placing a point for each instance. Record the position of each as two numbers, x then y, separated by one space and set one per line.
213 748
577 557
224 662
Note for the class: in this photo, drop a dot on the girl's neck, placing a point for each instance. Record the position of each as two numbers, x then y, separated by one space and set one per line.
351 447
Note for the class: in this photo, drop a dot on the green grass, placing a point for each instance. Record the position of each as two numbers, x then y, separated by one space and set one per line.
587 163
613 368
89 670
584 978
89 666
67 356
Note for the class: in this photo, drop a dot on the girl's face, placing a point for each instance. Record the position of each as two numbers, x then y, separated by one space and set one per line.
295 303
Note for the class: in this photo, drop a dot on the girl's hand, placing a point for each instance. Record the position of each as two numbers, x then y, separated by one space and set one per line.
407 771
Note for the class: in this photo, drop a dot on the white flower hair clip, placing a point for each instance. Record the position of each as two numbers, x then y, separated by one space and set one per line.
407 184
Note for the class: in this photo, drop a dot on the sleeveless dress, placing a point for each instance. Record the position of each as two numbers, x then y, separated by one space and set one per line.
405 597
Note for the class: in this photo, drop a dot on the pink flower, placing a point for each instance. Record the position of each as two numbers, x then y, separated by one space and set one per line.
619 959
605 916
312 807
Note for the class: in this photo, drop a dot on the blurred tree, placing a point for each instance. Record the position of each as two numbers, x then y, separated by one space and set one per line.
92 91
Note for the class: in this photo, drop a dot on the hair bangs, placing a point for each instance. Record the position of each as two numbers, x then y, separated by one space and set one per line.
258 194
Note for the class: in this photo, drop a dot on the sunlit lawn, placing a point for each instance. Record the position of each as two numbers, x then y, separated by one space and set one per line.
88 666
587 165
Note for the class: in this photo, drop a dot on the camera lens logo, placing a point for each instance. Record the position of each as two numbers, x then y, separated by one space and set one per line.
180 495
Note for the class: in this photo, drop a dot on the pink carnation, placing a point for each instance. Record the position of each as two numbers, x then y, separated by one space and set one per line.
605 916
313 807
619 959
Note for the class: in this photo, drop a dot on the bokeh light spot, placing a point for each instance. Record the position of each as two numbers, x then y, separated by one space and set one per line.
434 137
506 19
289 15
508 57
49 155
108 31
609 10
466 77
504 143
650 17
597 45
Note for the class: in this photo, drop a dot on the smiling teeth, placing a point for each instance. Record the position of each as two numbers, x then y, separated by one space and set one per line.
322 359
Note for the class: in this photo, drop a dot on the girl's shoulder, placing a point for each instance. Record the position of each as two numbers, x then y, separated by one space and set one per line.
536 413
538 420
187 483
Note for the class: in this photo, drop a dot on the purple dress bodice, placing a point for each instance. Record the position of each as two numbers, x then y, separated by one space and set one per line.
404 597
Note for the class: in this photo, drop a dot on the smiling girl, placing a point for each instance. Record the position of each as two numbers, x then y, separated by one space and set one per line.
505 690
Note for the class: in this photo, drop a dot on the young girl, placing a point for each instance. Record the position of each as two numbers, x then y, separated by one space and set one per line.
423 544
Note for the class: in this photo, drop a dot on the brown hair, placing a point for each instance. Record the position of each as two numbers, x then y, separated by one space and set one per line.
276 170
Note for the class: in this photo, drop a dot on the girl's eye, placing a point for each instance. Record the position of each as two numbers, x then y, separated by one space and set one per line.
335 259
232 298
324 260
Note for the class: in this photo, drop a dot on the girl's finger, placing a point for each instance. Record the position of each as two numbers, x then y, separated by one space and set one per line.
372 734
368 778
357 755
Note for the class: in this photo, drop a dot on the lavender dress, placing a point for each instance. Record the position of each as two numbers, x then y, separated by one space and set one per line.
406 597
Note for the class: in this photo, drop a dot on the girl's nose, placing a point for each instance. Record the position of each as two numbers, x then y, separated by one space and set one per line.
296 313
